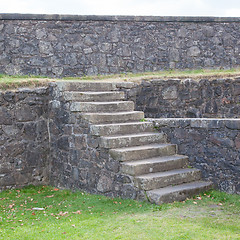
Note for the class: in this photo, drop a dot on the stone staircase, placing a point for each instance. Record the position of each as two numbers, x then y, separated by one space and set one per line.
144 154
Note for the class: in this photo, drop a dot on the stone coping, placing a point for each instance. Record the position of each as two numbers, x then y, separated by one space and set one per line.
119 18
209 123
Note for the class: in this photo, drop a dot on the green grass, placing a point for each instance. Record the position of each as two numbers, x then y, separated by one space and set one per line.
12 82
69 215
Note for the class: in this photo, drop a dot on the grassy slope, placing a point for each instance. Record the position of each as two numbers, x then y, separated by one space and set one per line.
11 82
69 215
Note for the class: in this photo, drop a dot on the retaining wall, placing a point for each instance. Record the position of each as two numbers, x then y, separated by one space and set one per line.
187 98
65 45
42 142
212 145
24 141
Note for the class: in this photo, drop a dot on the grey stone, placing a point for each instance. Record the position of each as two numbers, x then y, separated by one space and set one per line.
104 184
6 117
25 113
194 51
233 124
10 130
45 48
170 92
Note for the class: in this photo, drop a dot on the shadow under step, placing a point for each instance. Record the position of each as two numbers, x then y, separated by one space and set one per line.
95 107
94 96
113 117
142 152
132 140
120 128
163 179
152 165
177 193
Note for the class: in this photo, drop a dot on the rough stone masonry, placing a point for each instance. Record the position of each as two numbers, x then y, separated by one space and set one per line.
41 142
65 45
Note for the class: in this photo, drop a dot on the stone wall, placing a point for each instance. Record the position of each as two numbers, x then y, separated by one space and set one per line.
24 141
62 45
212 145
42 141
219 98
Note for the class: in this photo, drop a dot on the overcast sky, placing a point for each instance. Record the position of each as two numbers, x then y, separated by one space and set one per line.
225 8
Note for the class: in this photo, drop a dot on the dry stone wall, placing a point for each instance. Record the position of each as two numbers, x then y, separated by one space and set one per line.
62 45
24 141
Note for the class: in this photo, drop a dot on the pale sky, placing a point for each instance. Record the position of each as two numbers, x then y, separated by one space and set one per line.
220 8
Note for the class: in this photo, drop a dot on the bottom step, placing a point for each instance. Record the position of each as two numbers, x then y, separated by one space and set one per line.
178 192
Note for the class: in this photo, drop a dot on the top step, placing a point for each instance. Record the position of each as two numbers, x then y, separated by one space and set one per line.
87 86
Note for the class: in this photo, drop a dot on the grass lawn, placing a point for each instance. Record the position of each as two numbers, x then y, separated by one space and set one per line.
13 82
49 213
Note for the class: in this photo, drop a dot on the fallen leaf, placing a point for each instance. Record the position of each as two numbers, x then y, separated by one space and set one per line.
55 189
63 213
195 202
77 212
50 196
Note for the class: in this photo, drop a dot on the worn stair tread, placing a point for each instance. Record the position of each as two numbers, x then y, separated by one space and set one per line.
123 124
142 151
134 139
181 187
152 165
168 173
111 129
112 106
104 103
131 135
168 178
94 96
112 117
143 147
112 113
94 93
178 192
155 160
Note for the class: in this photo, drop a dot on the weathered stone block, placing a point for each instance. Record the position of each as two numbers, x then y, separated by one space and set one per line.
104 184
25 113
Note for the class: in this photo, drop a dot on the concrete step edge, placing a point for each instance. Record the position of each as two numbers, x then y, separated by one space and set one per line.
167 173
143 147
178 192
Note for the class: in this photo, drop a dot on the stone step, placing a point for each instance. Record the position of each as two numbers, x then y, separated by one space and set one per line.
142 152
152 165
95 107
163 179
94 96
177 193
132 140
120 128
113 117
87 86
